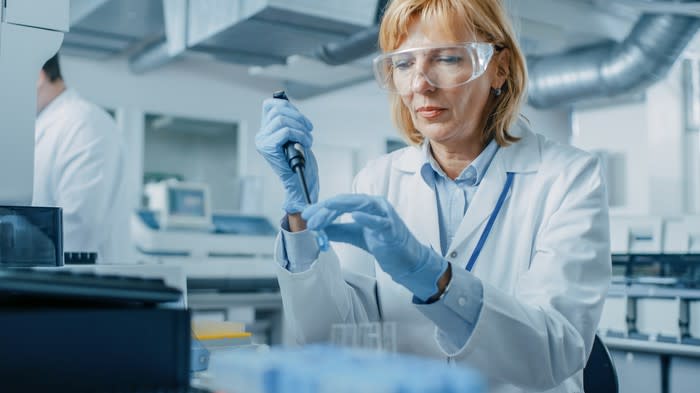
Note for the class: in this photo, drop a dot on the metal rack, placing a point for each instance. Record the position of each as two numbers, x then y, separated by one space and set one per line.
651 321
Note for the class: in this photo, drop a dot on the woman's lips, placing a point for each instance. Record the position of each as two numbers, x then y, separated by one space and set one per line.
430 112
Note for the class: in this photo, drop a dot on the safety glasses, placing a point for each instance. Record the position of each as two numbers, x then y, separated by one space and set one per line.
442 66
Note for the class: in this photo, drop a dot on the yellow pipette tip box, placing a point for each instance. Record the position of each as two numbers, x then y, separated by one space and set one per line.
219 330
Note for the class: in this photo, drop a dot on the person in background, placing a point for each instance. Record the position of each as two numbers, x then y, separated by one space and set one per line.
79 165
486 243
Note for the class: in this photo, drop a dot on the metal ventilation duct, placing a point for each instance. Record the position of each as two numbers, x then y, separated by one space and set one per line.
360 44
644 57
356 46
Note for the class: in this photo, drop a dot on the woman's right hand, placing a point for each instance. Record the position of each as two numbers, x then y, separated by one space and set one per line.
281 123
379 230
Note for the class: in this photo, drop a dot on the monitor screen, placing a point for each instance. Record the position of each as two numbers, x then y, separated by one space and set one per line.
186 202
30 236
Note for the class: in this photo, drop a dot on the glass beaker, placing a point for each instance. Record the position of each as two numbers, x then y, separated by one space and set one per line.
378 336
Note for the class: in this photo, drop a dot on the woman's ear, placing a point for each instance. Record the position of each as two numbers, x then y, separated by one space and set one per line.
502 71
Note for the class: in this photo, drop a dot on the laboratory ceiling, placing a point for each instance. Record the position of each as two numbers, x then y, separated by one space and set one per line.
282 40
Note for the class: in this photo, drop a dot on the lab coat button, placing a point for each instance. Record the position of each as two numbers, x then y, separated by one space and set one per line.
462 302
453 254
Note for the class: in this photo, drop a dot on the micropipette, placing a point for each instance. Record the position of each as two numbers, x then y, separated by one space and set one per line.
294 152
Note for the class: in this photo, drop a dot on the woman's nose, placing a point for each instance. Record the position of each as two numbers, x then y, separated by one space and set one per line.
421 83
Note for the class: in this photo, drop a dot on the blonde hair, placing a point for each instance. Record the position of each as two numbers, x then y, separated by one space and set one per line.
485 18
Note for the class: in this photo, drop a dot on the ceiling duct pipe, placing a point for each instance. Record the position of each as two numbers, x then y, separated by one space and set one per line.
356 46
605 70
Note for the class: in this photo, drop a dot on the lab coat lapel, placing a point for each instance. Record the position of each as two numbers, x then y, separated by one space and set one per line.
417 202
521 157
423 214
484 200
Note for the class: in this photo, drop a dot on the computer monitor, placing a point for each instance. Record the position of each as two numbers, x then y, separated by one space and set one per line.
180 204
30 236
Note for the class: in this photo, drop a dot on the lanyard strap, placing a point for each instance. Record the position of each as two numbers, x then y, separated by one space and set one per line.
489 225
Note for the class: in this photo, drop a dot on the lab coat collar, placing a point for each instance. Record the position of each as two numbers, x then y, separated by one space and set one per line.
56 103
520 157
51 112
524 155
421 198
430 169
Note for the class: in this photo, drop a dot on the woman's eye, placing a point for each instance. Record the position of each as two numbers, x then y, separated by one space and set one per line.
449 60
402 64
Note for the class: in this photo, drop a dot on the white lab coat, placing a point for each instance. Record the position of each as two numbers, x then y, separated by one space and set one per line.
79 165
545 268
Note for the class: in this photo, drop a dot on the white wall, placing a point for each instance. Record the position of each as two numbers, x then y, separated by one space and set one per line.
619 130
555 124
666 139
692 149
190 88
651 136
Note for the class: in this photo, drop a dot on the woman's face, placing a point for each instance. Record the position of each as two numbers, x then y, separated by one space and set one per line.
448 116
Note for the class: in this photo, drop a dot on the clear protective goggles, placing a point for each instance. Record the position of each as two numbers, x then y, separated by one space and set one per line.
442 66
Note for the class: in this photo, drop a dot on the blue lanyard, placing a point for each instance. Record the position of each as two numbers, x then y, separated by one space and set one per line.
492 219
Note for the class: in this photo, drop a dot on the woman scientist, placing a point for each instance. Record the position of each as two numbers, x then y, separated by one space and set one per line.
486 243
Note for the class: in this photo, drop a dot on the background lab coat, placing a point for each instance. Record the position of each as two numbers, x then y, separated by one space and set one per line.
79 164
545 267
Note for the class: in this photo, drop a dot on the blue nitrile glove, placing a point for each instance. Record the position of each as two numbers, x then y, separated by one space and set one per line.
384 235
281 122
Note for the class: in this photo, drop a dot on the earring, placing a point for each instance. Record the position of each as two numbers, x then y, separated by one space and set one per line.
497 92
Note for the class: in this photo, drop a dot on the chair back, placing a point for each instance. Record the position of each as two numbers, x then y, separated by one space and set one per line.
599 375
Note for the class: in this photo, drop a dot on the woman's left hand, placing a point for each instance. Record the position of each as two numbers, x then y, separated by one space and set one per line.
379 230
